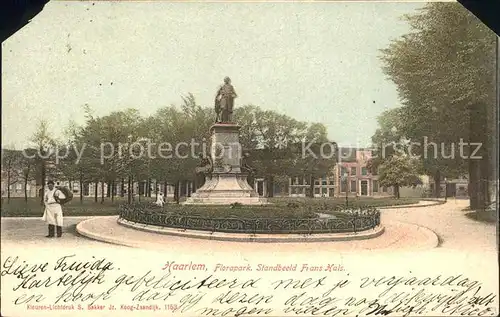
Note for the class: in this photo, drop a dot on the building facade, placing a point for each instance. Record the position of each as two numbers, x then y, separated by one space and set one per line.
18 189
456 187
350 177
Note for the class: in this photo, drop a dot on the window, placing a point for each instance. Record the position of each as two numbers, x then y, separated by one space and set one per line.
364 171
19 186
384 189
343 171
294 181
324 182
331 181
353 186
353 171
316 191
343 186
301 180
316 182
375 186
325 191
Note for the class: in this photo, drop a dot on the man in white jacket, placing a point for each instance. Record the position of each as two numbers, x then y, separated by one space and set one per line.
53 211
159 200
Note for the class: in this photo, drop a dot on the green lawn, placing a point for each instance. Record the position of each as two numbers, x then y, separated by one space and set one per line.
282 206
329 203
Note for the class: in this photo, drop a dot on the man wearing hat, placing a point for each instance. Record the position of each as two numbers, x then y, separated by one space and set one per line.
53 211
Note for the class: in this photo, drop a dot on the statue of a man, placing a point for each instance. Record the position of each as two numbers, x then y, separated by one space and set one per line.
224 101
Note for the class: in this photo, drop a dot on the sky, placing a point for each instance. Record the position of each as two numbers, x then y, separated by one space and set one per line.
315 62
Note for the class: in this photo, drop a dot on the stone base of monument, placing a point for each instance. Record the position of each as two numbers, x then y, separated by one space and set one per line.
226 189
228 184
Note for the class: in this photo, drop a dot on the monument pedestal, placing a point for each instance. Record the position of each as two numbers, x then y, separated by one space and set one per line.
228 184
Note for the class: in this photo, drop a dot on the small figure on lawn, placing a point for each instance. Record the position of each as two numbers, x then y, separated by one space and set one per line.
159 200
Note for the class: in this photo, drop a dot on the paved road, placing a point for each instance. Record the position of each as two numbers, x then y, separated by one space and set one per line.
32 232
449 222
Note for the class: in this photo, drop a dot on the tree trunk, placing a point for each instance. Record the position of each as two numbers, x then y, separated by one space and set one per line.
26 177
26 189
396 191
122 187
176 192
132 190
472 188
484 162
270 186
81 188
311 186
8 186
43 176
129 190
165 189
113 192
478 167
156 189
108 190
483 188
102 192
96 186
184 190
437 184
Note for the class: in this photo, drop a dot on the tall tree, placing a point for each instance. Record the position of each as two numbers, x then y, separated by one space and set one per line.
397 171
45 145
444 70
27 169
275 133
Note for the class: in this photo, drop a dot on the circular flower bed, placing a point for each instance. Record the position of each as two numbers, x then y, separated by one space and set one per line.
252 219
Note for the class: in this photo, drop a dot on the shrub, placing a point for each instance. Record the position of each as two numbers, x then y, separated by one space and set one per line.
293 205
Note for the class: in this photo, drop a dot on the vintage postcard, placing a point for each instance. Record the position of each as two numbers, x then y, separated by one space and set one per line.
250 158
